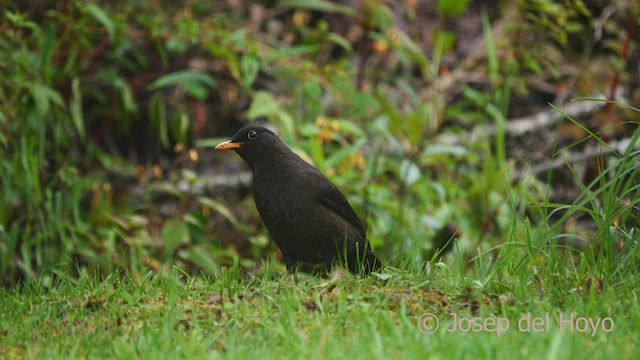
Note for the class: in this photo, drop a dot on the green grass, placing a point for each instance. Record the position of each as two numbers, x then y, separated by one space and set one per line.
170 315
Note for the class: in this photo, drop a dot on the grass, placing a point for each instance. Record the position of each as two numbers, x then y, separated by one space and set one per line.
172 315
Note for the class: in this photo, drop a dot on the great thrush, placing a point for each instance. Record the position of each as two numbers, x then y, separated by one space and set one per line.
307 216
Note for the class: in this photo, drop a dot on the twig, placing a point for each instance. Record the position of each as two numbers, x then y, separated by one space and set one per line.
569 157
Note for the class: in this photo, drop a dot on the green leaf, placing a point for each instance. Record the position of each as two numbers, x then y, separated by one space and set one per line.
413 50
492 52
452 7
177 45
350 127
291 51
20 20
174 233
320 5
383 277
224 211
381 17
128 101
102 18
250 68
201 256
75 107
195 90
337 157
194 82
409 172
435 150
43 96
180 126
46 50
157 114
340 41
263 104
394 116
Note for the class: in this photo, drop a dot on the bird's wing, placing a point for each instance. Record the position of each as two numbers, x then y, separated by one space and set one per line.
331 198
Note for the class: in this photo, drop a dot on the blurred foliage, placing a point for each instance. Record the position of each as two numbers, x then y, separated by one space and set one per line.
103 104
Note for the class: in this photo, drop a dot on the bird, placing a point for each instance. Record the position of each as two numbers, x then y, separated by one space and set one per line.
306 215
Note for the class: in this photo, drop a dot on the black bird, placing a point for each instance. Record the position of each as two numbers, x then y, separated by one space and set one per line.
307 216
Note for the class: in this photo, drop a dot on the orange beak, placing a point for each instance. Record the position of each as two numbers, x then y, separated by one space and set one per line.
228 145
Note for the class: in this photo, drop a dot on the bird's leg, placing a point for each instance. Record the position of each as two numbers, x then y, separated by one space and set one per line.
292 266
290 263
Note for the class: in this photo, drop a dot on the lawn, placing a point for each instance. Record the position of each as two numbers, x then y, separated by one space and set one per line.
517 306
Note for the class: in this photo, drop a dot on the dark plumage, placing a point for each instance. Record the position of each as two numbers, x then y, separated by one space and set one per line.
307 216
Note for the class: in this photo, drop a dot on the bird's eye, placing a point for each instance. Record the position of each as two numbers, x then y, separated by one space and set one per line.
252 135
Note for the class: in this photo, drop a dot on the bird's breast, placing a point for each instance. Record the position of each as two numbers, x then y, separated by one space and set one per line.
278 195
286 205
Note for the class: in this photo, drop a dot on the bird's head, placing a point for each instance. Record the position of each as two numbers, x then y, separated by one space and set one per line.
253 143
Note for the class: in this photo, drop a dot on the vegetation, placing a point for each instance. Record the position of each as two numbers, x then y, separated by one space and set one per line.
123 234
230 316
